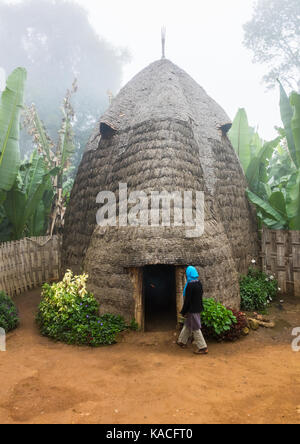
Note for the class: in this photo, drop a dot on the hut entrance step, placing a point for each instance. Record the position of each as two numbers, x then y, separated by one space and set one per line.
159 297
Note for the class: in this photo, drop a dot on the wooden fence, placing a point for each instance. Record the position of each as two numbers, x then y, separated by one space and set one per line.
28 263
281 256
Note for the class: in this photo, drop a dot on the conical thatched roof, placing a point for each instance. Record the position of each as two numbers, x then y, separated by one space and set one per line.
161 133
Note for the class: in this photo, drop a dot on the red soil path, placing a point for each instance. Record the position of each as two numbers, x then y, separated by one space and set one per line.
146 378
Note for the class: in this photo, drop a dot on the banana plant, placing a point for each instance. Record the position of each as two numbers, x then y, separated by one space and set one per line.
11 105
55 155
25 206
256 173
279 207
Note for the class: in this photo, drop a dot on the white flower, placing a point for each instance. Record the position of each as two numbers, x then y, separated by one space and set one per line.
268 302
279 289
270 298
253 261
267 280
272 278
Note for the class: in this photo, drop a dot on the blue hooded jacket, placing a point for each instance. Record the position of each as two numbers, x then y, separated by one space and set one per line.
191 275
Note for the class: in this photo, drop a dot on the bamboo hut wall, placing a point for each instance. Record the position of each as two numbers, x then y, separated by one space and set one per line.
28 263
281 256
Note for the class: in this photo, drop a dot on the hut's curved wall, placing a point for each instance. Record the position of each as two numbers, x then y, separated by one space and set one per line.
171 144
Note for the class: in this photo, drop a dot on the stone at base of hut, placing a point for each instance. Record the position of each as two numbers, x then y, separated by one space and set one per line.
260 322
253 323
246 331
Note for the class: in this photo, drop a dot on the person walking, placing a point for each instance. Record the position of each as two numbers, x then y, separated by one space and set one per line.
191 310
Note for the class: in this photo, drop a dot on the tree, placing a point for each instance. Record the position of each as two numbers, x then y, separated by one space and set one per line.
273 34
55 42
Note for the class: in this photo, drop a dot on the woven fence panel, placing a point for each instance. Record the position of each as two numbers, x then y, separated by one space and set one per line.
281 256
28 263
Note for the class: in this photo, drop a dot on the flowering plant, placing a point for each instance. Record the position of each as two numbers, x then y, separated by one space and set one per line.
257 290
69 313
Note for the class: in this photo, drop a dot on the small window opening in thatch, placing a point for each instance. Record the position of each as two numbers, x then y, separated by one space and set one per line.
159 294
225 128
106 131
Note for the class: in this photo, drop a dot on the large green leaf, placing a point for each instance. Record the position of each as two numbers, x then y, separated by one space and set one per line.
286 111
277 201
36 173
15 205
45 141
37 223
256 170
240 136
295 124
5 226
293 201
35 198
23 203
2 197
266 208
10 110
256 145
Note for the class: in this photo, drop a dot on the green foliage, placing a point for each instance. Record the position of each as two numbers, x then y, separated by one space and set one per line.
69 313
8 313
216 317
56 157
134 325
240 136
273 173
257 290
36 202
11 104
27 204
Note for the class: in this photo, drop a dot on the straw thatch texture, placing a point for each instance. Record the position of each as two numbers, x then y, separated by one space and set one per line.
28 263
161 133
281 257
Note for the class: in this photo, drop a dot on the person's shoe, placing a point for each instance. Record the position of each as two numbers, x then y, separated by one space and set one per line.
181 344
203 351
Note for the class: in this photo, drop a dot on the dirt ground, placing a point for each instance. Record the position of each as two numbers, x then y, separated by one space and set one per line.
146 378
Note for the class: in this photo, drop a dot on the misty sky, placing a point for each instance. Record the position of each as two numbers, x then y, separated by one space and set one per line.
203 37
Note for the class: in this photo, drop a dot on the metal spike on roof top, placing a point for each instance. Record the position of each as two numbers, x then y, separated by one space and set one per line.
163 41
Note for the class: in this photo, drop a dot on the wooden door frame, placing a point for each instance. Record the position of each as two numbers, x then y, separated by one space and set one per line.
138 293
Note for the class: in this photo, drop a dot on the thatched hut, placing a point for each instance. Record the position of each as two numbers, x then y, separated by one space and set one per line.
162 132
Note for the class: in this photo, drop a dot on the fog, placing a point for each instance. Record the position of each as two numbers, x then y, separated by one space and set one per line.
55 42
204 38
105 43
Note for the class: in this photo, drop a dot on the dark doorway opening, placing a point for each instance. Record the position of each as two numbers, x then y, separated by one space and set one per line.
159 292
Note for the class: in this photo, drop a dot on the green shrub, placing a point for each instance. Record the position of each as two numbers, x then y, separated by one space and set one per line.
134 325
216 318
257 290
69 313
8 313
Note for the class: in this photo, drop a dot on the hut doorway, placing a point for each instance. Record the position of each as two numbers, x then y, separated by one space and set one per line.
159 297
